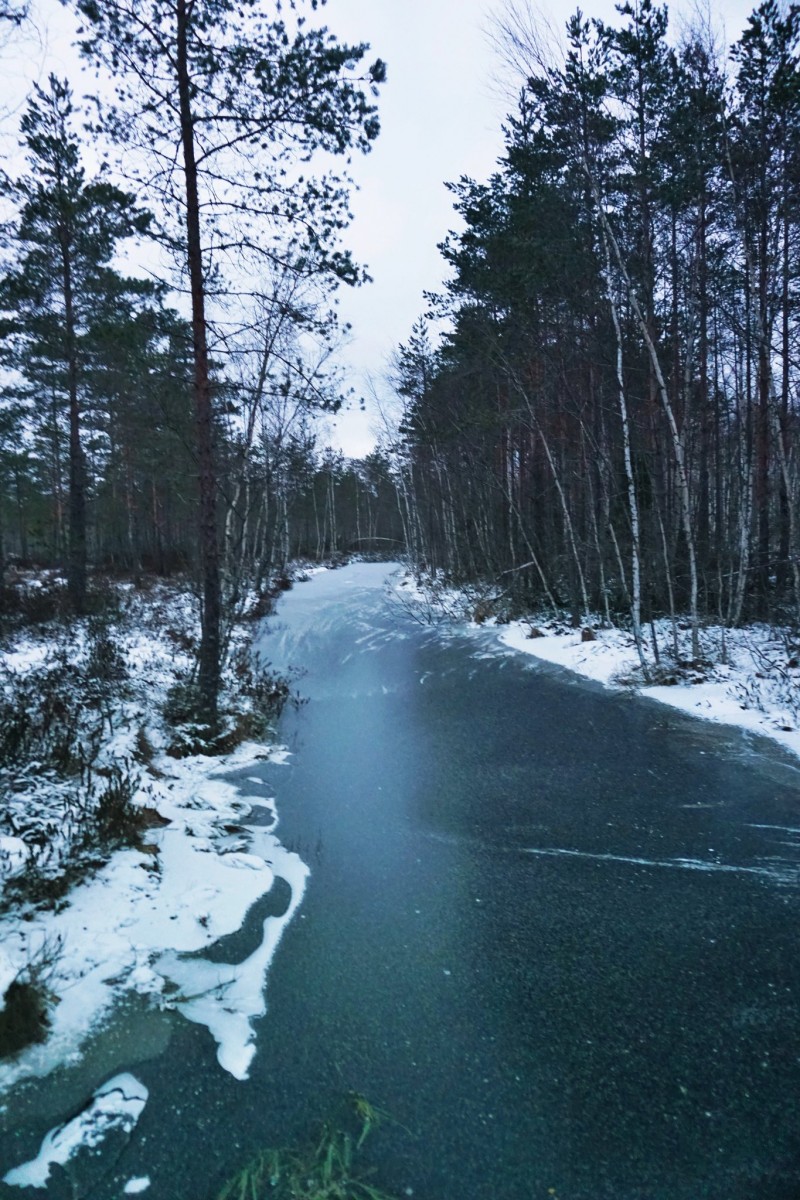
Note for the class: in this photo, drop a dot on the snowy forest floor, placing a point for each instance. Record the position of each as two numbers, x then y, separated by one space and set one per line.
748 677
118 839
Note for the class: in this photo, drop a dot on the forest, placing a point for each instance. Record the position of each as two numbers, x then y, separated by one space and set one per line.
162 421
610 422
598 414
588 453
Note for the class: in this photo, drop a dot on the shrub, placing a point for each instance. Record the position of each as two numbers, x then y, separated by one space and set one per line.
38 602
41 886
182 703
114 820
105 662
69 831
144 751
41 718
102 598
258 690
25 1016
180 712
262 606
252 702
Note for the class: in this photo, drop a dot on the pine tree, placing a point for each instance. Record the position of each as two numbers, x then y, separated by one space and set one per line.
66 235
225 103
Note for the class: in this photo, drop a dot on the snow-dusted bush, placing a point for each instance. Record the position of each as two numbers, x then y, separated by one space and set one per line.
27 1001
772 686
105 666
252 700
62 830
60 698
31 601
43 723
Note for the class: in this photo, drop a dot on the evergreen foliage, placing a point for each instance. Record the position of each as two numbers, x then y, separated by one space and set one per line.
611 421
225 103
66 235
132 439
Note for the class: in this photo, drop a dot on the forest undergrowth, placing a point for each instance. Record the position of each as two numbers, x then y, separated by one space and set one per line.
87 707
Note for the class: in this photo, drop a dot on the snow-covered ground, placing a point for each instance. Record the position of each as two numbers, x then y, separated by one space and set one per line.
142 920
129 925
748 677
755 689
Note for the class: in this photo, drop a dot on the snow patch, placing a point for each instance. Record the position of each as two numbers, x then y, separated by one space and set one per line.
225 997
201 872
134 1186
732 693
749 677
117 1105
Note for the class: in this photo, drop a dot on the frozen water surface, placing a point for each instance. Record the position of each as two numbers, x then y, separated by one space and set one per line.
115 1108
550 928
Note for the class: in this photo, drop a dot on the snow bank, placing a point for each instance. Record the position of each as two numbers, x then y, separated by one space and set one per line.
129 926
142 921
755 689
224 997
748 677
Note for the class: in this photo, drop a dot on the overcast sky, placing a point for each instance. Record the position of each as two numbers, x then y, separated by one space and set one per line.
441 112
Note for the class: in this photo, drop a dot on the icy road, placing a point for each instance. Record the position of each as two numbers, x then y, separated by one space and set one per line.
551 929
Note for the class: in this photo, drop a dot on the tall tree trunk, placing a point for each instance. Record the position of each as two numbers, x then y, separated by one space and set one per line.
633 502
677 440
76 559
792 552
786 513
565 511
209 654
762 432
